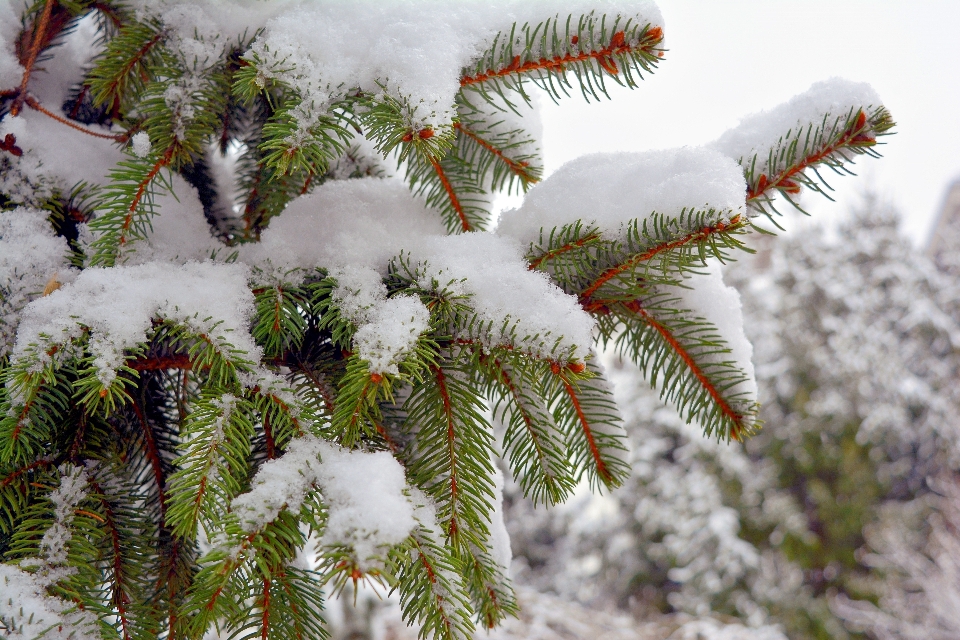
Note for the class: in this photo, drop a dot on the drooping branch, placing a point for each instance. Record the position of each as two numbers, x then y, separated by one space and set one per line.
451 194
520 169
736 419
587 429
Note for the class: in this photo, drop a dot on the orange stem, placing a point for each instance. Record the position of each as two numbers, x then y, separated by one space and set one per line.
35 46
613 272
695 369
587 431
141 191
570 246
783 180
451 451
34 104
617 46
519 168
454 200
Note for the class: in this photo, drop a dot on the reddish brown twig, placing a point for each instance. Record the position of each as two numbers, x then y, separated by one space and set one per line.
34 104
628 264
604 58
36 44
518 168
784 181
570 246
451 194
735 418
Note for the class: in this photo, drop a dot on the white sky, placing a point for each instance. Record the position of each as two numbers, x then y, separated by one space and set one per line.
728 58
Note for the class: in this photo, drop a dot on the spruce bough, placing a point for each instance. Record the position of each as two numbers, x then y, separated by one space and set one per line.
243 363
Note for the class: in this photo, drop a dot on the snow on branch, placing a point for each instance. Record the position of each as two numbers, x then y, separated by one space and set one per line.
609 190
326 51
364 493
513 305
116 308
27 610
387 328
31 254
782 150
365 223
10 69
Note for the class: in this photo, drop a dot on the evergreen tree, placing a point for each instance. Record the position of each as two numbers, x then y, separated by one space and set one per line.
241 366
856 355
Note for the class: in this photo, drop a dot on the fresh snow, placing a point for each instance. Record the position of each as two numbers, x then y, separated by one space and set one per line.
55 152
611 189
387 328
30 255
757 134
23 597
709 298
354 228
65 498
407 50
140 144
363 222
518 307
365 495
23 591
119 304
10 69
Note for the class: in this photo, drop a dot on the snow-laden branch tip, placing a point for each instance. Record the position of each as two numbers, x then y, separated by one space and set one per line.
365 495
610 190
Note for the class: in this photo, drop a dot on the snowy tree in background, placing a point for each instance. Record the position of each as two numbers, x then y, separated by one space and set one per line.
857 359
243 364
921 575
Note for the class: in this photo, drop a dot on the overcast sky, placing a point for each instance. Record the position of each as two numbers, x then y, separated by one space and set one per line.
729 58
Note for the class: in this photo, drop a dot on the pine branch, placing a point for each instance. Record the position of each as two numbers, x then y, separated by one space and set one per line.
504 156
17 490
126 207
797 158
452 462
213 467
663 255
586 414
536 454
431 590
593 50
490 591
280 323
356 411
32 404
686 359
130 62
